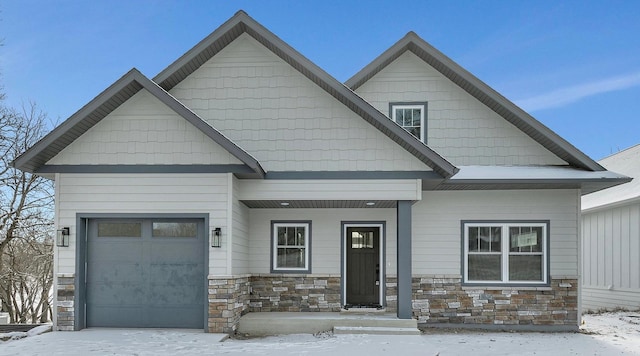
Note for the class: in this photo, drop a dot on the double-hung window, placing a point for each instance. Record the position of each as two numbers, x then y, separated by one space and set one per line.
291 246
505 252
411 117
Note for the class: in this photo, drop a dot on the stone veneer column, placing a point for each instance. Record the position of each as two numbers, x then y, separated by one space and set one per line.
64 304
228 300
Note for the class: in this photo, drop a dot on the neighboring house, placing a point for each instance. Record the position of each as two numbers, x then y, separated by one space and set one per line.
611 239
244 178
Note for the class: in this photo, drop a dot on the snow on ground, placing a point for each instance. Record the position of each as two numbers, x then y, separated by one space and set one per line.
603 334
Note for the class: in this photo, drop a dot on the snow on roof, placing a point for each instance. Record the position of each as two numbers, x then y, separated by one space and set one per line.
626 162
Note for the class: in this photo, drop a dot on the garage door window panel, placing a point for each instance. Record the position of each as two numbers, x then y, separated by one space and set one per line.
120 229
174 229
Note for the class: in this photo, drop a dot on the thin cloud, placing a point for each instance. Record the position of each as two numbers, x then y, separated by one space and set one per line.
568 95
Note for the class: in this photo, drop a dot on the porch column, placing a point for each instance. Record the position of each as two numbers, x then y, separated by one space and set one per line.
404 259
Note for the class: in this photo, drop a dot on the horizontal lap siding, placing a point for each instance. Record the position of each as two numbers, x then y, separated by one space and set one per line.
437 240
143 130
240 231
611 250
325 235
352 189
283 119
141 194
459 127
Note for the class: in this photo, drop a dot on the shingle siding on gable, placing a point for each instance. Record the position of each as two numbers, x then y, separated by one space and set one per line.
144 131
460 128
283 119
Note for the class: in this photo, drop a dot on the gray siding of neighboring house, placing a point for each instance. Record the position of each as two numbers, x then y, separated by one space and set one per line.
611 263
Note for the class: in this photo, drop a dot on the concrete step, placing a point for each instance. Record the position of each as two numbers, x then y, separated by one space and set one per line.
275 323
363 311
364 321
375 330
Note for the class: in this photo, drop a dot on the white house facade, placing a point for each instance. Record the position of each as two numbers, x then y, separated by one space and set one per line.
611 239
244 178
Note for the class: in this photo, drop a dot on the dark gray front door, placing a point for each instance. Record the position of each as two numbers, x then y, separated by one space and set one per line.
363 266
145 273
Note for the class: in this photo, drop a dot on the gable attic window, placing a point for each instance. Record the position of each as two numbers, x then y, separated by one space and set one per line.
411 117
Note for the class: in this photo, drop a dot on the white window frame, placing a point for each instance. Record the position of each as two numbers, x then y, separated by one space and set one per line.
423 109
307 246
505 251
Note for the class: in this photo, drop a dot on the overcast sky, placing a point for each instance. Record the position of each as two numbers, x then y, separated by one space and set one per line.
574 66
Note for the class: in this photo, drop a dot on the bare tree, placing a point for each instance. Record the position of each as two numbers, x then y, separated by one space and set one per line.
26 221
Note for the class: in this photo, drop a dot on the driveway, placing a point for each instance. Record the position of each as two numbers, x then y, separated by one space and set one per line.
607 334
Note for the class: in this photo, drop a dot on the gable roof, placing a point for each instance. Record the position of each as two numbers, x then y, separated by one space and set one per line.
241 23
626 162
111 98
479 90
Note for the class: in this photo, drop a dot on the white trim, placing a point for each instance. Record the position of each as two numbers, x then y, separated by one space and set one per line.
380 261
307 227
580 260
422 108
505 251
56 267
229 244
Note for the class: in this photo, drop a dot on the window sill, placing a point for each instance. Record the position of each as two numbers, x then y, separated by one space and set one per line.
290 272
493 287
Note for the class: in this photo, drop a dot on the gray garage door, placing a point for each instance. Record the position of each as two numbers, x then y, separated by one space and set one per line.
145 273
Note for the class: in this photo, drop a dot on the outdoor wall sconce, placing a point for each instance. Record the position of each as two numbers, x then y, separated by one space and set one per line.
62 237
216 237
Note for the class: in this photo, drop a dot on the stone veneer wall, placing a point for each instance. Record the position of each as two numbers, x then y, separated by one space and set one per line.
294 293
64 301
228 301
435 300
443 299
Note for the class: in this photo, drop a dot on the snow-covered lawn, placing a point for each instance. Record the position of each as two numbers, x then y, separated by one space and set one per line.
604 334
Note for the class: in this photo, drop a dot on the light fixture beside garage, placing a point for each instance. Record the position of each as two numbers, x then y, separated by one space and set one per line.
216 237
62 237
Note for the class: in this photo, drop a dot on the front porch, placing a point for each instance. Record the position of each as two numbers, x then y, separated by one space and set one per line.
343 322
